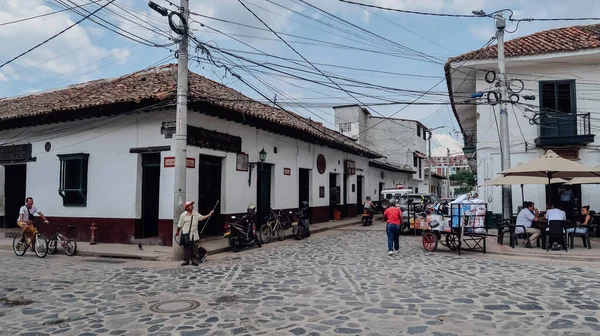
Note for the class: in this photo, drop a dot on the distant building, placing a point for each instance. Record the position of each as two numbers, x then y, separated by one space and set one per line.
449 165
403 142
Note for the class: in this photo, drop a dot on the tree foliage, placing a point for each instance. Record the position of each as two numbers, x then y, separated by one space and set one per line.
464 178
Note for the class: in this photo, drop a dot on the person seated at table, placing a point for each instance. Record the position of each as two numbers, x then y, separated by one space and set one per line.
585 213
525 218
555 213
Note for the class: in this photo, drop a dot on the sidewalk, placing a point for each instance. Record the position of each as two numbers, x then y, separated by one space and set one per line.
163 253
578 253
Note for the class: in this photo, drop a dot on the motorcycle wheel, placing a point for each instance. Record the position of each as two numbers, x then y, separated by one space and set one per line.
365 222
234 244
257 241
300 230
265 234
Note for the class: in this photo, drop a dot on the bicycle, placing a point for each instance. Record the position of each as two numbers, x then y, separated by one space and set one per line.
272 227
21 244
66 243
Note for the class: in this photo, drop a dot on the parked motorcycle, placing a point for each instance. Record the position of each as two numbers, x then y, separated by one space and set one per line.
367 217
242 233
300 224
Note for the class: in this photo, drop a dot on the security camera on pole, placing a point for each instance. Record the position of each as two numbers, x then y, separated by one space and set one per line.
180 137
503 119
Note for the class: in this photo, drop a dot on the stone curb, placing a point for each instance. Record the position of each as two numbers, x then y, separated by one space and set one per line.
81 253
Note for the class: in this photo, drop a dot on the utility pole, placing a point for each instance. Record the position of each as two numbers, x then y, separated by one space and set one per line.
504 132
429 162
180 136
448 170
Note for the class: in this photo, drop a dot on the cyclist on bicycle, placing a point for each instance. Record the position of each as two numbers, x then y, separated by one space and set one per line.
27 217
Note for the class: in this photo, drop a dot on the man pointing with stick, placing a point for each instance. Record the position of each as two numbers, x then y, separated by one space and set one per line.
188 227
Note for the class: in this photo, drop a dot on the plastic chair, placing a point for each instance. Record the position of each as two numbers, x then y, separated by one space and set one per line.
585 237
556 233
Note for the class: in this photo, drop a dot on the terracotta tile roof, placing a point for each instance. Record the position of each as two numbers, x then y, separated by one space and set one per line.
545 42
159 85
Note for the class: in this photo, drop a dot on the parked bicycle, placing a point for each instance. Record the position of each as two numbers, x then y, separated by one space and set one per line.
272 228
69 245
21 244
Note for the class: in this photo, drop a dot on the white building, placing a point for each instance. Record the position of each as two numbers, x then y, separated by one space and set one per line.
402 142
102 152
558 69
449 165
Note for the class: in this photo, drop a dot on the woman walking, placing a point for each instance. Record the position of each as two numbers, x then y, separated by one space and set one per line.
188 223
393 217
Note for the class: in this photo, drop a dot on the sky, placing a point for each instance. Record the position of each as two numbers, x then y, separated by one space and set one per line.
369 56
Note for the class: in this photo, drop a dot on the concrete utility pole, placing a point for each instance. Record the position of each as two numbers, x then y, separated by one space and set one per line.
448 170
429 162
504 132
180 137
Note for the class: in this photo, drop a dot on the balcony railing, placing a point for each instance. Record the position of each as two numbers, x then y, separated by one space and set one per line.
560 129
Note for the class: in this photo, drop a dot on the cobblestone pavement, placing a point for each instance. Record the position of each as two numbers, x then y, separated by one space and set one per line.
342 283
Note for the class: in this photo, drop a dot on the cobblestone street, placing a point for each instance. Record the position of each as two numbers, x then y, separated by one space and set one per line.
340 283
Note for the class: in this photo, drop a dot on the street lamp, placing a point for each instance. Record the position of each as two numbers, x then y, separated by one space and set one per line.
262 156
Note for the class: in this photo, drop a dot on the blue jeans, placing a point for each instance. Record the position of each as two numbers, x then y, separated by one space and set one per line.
393 235
578 230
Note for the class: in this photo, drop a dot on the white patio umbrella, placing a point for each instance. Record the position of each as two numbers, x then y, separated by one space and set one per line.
551 165
584 180
501 180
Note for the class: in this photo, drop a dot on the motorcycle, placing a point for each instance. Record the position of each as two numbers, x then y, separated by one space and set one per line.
242 233
300 225
367 217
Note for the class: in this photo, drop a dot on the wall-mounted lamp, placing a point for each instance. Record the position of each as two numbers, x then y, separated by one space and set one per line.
262 156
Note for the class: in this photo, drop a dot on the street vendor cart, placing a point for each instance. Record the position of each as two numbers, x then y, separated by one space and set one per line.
465 230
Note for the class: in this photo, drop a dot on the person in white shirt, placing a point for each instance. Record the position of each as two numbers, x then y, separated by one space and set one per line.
525 218
27 215
554 213
188 223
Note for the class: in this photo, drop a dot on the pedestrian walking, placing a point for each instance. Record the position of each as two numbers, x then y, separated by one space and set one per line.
188 227
393 217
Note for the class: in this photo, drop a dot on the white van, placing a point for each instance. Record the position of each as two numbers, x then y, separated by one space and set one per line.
389 194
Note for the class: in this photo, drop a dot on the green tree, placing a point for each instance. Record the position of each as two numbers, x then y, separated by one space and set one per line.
465 180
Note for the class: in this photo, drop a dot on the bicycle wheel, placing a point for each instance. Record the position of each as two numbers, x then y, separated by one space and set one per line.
279 233
71 247
19 247
52 245
265 233
41 246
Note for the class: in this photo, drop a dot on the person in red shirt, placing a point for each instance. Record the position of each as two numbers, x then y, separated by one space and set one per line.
393 217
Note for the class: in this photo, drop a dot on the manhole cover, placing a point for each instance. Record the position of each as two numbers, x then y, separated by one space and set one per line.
174 306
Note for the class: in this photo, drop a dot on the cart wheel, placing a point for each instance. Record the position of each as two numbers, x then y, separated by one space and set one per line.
430 241
452 242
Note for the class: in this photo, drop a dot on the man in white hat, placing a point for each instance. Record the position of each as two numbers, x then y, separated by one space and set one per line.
188 223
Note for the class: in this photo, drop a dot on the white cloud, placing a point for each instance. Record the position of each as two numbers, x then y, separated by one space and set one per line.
71 50
446 141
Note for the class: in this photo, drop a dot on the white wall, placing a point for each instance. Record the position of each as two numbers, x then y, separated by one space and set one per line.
521 131
112 170
114 174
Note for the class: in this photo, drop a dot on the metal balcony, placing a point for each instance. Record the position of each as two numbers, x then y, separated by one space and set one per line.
563 129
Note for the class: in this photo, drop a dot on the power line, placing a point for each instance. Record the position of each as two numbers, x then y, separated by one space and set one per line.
411 12
56 35
116 29
47 14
